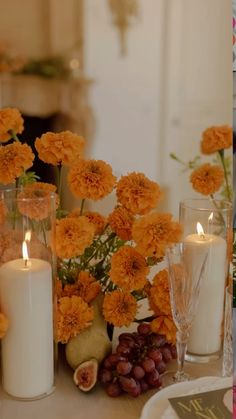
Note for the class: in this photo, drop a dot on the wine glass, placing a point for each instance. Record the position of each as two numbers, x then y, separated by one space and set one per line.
185 274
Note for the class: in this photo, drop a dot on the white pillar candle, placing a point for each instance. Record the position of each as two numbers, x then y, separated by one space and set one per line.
27 348
205 335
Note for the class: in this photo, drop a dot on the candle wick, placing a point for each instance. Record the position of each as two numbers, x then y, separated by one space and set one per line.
26 263
202 236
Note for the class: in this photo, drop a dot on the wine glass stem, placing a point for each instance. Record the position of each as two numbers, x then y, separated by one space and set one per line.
181 345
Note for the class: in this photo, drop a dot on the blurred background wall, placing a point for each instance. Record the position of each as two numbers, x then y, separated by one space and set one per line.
174 81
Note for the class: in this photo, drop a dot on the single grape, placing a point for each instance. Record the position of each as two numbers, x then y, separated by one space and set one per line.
140 340
105 376
136 391
123 349
138 372
127 384
144 329
156 340
125 336
153 379
144 385
124 367
166 354
173 351
107 364
115 358
113 390
161 367
148 365
127 340
154 354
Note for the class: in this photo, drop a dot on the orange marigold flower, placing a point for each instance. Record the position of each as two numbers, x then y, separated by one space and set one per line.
67 291
164 325
35 202
88 287
121 222
73 316
216 139
14 159
137 193
11 246
4 324
47 187
129 269
3 211
119 308
10 120
97 220
61 148
207 179
159 294
154 232
94 218
73 235
91 179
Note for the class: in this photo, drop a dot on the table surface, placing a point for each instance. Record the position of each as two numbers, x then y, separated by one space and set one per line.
67 402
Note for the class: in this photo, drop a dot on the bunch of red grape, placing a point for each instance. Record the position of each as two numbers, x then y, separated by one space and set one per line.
137 364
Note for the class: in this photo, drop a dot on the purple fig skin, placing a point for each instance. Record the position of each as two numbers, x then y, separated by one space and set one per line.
85 375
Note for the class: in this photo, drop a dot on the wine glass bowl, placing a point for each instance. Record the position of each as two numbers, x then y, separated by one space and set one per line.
185 273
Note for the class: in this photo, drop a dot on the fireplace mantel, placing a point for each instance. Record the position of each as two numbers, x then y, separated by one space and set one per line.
36 96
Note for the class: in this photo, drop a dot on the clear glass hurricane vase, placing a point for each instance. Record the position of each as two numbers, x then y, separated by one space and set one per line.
215 216
27 298
185 274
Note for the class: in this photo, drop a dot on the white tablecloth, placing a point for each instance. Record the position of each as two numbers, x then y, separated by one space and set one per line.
69 403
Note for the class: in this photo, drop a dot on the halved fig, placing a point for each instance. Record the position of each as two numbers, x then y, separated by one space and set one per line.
85 375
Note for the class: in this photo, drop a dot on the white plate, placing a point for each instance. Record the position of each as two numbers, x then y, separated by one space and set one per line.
158 405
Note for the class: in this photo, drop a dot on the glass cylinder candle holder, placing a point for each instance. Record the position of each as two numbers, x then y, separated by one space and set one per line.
27 278
215 218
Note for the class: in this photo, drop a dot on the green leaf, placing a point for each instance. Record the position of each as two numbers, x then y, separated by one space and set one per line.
28 178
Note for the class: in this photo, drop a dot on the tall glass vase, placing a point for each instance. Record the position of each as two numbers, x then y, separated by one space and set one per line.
215 217
27 267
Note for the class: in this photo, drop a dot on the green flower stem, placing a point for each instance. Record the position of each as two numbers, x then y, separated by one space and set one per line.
221 154
219 213
17 185
109 238
174 157
17 182
13 135
44 233
59 182
82 207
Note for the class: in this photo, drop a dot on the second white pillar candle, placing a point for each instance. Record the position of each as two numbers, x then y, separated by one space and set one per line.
206 333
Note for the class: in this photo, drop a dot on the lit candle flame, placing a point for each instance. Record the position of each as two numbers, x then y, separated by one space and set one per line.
28 236
25 248
210 218
200 231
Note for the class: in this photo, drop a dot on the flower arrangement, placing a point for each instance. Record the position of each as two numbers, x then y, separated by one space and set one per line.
113 255
215 177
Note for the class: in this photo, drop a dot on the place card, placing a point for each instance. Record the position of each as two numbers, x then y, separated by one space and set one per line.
216 404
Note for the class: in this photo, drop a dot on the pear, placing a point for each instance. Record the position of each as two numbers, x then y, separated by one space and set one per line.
93 342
